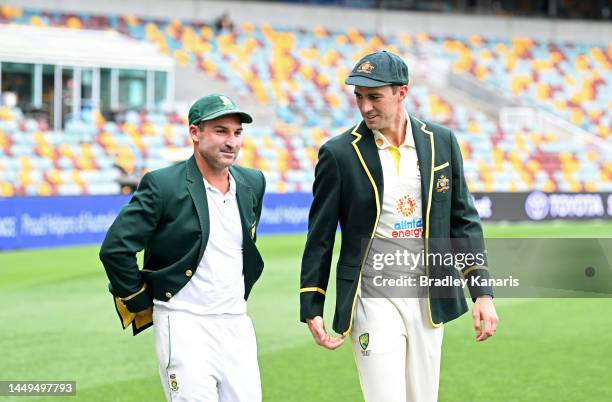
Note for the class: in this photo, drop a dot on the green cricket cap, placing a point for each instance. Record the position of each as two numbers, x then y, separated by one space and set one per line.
210 107
379 69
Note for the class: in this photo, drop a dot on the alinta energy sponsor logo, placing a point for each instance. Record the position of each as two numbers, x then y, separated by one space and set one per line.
406 206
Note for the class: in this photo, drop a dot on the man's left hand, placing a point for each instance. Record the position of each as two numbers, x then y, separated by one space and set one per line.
485 318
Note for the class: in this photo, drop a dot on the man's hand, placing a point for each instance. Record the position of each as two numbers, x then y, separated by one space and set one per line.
320 335
145 313
484 312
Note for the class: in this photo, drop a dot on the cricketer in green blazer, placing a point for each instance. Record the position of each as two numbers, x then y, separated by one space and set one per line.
168 217
348 189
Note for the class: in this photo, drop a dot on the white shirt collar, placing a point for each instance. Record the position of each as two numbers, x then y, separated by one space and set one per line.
382 142
232 189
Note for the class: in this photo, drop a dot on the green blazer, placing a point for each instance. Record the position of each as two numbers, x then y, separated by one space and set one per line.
348 189
168 218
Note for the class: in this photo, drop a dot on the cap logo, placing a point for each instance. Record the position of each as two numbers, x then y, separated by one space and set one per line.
226 101
365 67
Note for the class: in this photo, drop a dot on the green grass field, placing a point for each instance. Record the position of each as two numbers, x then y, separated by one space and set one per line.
58 323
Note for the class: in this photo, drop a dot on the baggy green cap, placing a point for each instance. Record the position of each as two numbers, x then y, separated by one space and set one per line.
215 105
379 69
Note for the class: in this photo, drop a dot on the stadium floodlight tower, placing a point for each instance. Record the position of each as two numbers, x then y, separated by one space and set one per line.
65 73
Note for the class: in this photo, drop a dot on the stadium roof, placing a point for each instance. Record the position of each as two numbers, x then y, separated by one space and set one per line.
85 48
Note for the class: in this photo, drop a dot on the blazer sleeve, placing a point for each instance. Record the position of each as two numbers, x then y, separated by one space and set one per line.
322 225
466 229
129 234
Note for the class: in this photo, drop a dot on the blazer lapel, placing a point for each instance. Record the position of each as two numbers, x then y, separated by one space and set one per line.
244 195
368 153
424 143
195 185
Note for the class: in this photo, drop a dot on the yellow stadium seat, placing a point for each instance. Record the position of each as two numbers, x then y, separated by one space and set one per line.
207 33
423 37
181 57
263 164
77 179
320 32
501 49
582 63
10 12
85 163
549 186
26 163
24 179
577 116
36 21
355 36
452 45
473 127
556 56
281 187
543 92
131 20
5 114
322 80
476 40
481 72
6 189
534 166
590 186
54 177
405 39
341 40
74 23
511 62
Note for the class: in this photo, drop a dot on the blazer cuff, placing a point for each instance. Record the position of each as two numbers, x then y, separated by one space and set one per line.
312 301
477 274
127 317
138 301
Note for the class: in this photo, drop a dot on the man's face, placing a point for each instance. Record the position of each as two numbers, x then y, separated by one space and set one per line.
379 106
219 140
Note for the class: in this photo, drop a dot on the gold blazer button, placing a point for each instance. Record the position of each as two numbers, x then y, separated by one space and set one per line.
168 295
189 273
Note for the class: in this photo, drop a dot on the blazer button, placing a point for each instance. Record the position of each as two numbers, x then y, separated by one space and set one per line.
189 273
168 295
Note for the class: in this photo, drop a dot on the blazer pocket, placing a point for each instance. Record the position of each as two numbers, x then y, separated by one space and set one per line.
440 167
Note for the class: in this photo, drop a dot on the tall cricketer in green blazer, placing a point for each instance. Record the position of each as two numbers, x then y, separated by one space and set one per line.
348 189
168 218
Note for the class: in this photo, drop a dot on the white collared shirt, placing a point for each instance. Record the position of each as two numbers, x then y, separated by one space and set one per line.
401 213
217 286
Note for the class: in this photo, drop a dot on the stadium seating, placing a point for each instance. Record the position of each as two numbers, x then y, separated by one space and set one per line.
300 74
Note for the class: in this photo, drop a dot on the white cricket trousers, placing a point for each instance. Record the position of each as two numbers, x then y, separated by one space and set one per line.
399 358
206 358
